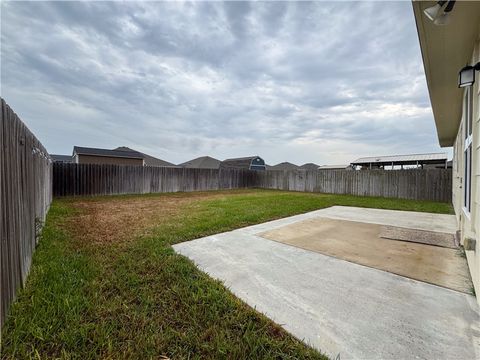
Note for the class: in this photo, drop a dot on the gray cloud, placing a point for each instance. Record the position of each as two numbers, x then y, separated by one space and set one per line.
300 82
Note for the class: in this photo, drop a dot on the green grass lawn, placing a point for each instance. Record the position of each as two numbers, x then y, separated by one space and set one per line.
106 283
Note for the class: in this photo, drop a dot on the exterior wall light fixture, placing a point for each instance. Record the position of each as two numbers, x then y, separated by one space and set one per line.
466 76
439 13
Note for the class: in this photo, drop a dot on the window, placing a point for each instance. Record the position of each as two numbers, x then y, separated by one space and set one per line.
467 165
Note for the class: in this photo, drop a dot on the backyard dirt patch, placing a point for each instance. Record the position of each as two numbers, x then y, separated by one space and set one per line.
361 243
107 221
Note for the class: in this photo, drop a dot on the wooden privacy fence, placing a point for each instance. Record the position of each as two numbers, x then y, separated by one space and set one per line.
25 196
94 179
97 179
431 184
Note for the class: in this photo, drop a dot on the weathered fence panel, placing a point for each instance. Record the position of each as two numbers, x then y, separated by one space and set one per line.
428 184
95 179
25 196
98 179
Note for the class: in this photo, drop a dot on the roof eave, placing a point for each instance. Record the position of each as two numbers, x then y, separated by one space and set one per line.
105 155
445 49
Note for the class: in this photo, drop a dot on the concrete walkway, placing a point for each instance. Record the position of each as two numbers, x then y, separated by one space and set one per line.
340 307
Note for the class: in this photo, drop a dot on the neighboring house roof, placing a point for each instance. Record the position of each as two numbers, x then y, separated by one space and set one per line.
284 166
61 158
309 166
445 50
243 163
149 160
107 153
332 167
250 158
403 159
203 162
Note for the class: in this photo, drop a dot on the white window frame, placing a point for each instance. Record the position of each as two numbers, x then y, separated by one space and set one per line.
467 151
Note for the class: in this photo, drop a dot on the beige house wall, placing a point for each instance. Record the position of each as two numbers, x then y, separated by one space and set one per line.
469 224
89 159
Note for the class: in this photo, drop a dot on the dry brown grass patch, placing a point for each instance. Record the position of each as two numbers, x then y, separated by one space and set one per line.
118 220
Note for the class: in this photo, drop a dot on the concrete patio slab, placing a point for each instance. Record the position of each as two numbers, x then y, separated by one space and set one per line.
407 219
337 306
362 243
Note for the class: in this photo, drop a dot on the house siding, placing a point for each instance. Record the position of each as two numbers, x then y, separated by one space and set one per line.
457 174
90 159
469 225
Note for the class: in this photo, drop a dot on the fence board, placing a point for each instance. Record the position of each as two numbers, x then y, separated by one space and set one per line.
428 184
25 196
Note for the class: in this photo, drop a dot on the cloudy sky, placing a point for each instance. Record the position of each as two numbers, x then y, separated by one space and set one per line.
323 82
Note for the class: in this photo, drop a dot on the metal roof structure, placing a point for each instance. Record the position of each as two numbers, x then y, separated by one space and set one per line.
410 159
203 162
284 166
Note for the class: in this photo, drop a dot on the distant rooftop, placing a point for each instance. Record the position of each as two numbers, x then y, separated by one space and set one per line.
283 166
149 160
122 152
106 152
249 162
61 158
332 167
309 166
242 158
203 162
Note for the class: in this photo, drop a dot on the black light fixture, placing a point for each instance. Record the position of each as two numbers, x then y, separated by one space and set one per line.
439 13
466 76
